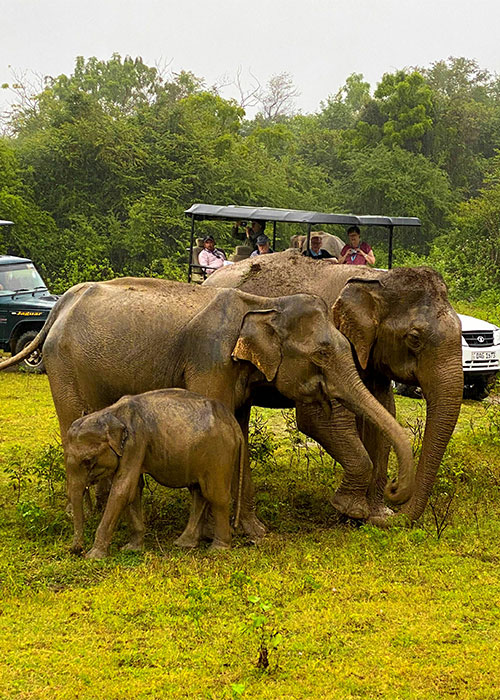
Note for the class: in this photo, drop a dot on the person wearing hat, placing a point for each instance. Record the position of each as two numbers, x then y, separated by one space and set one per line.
252 232
263 248
315 250
211 258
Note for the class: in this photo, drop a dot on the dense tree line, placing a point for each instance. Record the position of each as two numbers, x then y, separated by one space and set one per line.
97 168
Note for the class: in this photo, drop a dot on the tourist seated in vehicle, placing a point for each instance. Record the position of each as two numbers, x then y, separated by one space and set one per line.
355 252
316 252
262 246
251 233
211 258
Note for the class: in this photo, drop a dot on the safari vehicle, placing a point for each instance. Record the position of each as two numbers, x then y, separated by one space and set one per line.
206 212
25 304
480 339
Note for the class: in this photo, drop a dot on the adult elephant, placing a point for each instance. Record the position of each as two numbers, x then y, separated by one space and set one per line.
333 244
401 326
127 336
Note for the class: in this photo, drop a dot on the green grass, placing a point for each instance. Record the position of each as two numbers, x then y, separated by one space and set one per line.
343 611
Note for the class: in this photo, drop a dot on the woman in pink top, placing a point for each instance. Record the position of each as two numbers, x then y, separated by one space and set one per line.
355 253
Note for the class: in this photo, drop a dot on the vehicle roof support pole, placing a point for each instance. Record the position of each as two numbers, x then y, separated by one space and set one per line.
308 242
391 232
274 235
190 271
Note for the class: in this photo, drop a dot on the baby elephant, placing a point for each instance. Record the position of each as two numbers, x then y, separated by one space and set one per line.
179 438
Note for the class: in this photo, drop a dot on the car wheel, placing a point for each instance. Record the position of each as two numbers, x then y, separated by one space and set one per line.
478 388
34 362
413 392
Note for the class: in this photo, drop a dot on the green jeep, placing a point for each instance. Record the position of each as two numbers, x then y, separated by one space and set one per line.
25 303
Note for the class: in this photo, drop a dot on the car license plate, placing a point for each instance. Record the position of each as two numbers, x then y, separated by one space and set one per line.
483 355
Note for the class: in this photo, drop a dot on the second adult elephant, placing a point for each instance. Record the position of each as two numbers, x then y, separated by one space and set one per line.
127 336
401 326
333 244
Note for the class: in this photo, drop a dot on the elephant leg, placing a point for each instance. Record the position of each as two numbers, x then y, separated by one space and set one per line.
215 489
378 447
194 529
222 533
249 521
336 431
123 492
135 517
70 406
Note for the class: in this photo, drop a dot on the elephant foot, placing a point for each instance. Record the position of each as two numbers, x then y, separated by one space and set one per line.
392 519
132 547
76 548
252 527
96 553
380 515
381 521
187 541
219 544
351 503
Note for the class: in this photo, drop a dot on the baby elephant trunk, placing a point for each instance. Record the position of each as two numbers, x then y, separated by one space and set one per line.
76 485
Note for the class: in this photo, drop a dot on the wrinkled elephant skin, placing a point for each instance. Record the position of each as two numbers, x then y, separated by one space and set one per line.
401 326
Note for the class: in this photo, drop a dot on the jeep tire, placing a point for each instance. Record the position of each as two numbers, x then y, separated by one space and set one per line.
34 362
478 387
412 392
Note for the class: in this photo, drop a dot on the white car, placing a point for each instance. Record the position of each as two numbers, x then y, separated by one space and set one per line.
480 355
480 359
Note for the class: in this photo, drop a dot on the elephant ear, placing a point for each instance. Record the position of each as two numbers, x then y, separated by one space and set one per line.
356 315
116 433
259 342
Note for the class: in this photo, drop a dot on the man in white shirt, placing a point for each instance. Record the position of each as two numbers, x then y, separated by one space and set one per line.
211 258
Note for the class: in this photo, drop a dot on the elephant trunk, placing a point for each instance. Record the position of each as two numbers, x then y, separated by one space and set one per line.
443 393
356 397
76 485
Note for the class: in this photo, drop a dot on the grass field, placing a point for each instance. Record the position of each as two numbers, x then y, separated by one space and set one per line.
321 609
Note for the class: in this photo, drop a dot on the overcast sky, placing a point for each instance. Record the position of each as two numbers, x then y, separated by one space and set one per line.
319 42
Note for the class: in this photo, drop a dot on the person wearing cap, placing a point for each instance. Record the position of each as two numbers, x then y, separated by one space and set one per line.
211 258
355 252
252 232
263 248
315 250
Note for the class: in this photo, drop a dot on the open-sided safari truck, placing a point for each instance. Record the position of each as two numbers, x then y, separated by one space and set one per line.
480 339
310 219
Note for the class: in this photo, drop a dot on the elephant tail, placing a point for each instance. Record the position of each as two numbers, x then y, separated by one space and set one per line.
241 465
37 342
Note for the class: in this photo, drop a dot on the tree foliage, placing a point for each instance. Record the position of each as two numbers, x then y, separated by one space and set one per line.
100 164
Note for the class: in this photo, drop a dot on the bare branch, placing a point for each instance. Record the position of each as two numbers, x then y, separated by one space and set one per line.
248 96
278 98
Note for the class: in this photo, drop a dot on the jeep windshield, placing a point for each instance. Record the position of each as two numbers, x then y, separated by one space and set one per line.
20 277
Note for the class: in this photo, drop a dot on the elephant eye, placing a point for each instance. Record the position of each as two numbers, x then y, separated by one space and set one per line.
320 356
413 339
